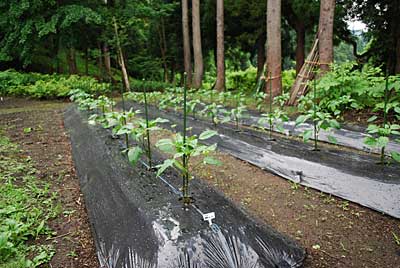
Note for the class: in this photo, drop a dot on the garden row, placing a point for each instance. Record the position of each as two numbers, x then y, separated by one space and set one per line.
323 115
135 213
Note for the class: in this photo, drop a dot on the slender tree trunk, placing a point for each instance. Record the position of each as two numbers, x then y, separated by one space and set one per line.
107 59
71 59
100 61
325 28
300 45
220 84
121 60
274 47
187 55
197 49
163 48
260 55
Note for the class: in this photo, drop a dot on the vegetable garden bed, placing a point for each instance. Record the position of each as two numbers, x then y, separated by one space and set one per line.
139 222
347 174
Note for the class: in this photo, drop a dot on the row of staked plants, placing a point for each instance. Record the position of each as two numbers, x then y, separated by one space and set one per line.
136 129
312 107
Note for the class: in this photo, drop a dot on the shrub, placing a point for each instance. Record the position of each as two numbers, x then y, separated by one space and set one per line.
139 85
47 86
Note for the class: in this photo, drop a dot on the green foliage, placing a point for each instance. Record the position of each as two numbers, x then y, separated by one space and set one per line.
276 117
139 85
243 80
47 86
346 88
192 147
26 205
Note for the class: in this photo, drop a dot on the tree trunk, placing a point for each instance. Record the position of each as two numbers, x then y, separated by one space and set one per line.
100 61
325 30
260 55
220 84
121 60
274 47
300 45
197 50
107 59
187 55
163 48
71 59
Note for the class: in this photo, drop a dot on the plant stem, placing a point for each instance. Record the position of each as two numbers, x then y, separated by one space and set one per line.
185 182
385 115
123 118
315 116
147 127
270 105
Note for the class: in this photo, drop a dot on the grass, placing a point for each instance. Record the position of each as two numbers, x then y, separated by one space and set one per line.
26 205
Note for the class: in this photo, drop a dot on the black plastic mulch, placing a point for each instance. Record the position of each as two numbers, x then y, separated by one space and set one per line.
343 173
137 220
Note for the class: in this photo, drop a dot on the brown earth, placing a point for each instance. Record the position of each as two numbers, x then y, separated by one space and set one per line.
49 147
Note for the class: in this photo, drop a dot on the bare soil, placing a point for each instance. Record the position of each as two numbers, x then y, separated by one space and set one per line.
50 150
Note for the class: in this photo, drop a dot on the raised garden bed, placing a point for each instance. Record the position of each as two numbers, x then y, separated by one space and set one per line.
334 170
138 221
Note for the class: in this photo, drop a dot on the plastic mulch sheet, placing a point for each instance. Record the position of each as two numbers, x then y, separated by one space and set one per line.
340 172
138 221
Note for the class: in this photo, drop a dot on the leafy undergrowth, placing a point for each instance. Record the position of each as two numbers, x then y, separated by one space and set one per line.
25 206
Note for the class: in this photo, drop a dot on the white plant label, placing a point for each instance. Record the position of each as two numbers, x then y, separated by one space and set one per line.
209 217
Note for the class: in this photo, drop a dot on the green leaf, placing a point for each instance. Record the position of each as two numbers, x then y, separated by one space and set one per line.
166 145
301 119
307 135
332 139
334 124
134 154
370 141
372 118
166 164
382 141
395 156
207 134
211 161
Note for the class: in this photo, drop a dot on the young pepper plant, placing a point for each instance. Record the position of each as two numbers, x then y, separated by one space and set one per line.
139 131
320 120
178 148
183 149
380 133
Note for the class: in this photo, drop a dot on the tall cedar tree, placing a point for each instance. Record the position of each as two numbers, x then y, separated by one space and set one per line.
197 48
274 47
220 84
325 33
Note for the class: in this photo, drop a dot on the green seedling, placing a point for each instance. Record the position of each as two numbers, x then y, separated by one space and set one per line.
192 106
139 131
212 111
380 133
274 118
320 120
182 151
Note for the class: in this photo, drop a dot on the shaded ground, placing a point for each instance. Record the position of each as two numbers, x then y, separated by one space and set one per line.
49 148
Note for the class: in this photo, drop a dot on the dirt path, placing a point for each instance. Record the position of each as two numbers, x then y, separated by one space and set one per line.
38 129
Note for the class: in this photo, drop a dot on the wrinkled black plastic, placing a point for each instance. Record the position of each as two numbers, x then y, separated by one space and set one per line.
138 221
352 176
